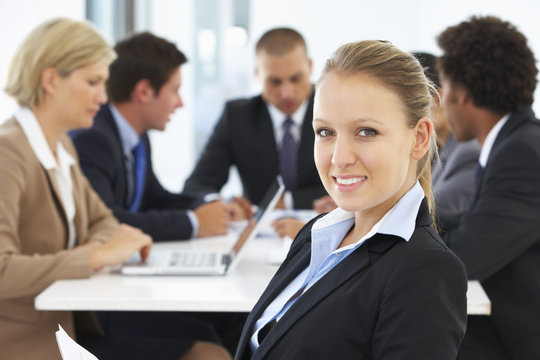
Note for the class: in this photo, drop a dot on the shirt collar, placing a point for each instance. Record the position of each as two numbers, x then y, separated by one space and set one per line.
490 140
278 116
128 135
32 130
328 232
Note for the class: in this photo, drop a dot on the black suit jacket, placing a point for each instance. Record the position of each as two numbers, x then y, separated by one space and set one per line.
389 299
162 214
499 241
244 137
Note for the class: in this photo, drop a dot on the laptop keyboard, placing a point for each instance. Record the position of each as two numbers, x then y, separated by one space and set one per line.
192 259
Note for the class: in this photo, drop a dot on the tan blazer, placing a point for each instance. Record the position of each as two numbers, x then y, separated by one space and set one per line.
33 240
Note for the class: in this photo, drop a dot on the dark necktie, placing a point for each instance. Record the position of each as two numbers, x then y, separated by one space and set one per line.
139 154
270 325
478 174
287 156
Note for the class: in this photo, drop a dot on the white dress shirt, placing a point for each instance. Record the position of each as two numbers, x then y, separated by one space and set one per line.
61 165
278 117
490 139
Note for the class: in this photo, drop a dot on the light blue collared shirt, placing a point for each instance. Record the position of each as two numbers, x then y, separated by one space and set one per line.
129 139
326 235
128 135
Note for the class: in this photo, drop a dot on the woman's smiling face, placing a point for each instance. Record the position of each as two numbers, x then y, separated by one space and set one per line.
363 146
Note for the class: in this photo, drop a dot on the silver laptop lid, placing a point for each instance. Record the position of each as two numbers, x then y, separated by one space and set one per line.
267 205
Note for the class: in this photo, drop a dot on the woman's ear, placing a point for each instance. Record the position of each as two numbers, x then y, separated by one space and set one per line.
49 77
423 132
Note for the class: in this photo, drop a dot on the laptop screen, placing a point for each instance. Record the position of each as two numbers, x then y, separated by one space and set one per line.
269 201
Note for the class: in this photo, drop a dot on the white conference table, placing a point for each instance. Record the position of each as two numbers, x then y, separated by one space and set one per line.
237 291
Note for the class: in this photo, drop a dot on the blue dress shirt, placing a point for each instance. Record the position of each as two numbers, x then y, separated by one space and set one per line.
129 139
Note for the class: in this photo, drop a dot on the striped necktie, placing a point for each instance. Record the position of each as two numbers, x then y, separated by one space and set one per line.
287 156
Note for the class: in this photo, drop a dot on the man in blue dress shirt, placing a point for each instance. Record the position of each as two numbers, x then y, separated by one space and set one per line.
115 152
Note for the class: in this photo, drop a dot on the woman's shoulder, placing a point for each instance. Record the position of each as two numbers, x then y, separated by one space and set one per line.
426 247
13 142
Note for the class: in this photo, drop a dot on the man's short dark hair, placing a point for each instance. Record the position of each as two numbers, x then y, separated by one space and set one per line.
280 41
142 56
429 63
490 58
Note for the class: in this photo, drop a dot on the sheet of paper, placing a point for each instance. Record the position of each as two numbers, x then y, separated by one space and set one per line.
69 349
268 230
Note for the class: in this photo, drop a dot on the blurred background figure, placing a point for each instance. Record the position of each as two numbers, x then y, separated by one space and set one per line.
488 76
52 224
453 176
269 134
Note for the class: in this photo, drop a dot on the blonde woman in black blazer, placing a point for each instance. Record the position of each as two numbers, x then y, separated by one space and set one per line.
372 279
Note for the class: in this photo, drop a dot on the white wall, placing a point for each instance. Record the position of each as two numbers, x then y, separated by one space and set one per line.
17 19
173 150
411 25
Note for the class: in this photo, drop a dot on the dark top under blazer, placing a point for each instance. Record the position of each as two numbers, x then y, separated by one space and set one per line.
499 238
244 136
162 214
410 304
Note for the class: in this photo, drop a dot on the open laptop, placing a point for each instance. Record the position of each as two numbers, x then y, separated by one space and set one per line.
205 262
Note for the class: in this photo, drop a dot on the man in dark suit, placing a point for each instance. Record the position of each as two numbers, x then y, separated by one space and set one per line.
257 135
143 92
488 76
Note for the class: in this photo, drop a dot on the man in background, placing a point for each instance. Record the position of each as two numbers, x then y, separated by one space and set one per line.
115 152
453 176
488 75
269 134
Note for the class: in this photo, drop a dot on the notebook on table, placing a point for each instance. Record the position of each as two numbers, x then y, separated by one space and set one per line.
206 262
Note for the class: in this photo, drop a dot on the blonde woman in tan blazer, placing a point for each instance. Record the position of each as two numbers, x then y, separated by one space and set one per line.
52 224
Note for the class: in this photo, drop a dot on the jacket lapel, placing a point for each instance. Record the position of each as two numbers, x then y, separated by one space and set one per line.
351 266
105 118
296 261
55 190
515 120
78 197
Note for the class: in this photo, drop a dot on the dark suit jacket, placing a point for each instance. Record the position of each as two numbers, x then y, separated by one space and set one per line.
162 214
389 299
244 136
453 182
499 239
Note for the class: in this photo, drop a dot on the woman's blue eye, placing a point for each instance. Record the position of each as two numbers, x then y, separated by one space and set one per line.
368 132
323 132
